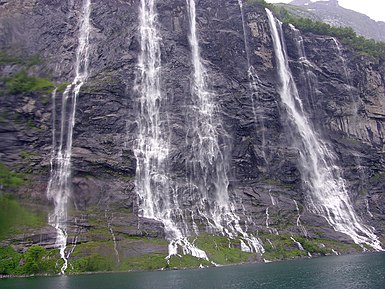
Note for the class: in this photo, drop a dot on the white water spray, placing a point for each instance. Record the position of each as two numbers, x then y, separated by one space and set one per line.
368 208
298 222
273 201
299 245
267 217
109 226
155 188
210 165
327 196
343 61
59 186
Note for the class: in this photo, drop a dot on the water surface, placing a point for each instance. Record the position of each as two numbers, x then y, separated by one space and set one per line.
353 271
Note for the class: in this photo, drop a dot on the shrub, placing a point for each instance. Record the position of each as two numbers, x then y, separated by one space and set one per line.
22 82
9 179
93 263
38 260
346 35
9 260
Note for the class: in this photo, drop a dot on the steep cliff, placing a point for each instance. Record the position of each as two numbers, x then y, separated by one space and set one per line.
342 93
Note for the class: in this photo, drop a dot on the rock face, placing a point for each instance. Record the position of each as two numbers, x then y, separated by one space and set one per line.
345 103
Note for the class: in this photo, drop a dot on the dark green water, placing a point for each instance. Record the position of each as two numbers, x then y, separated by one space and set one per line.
355 271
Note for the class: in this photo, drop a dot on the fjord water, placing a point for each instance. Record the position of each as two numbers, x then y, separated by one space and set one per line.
327 195
350 271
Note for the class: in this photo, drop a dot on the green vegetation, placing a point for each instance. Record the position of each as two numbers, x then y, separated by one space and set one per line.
14 218
9 261
21 82
150 261
346 35
36 260
281 247
27 155
5 59
9 179
100 256
187 261
39 260
93 256
218 251
93 263
260 2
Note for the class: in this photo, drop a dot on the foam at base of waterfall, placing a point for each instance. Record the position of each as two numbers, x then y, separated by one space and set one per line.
187 249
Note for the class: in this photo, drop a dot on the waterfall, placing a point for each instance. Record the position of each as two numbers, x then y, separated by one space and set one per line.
154 186
274 203
59 186
209 165
309 77
109 226
343 61
353 118
368 209
298 221
240 3
254 82
267 217
327 195
299 245
152 147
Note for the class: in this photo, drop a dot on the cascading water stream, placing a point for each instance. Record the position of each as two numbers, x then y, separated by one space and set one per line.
267 217
240 3
353 101
328 196
253 82
299 245
306 66
343 61
154 186
209 172
59 186
298 221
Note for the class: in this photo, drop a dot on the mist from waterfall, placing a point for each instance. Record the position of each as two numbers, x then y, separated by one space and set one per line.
208 179
155 186
327 195
159 193
59 186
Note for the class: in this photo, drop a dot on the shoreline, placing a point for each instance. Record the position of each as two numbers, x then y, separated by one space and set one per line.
5 277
